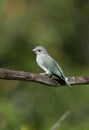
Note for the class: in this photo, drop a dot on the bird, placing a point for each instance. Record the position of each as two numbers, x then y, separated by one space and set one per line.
48 64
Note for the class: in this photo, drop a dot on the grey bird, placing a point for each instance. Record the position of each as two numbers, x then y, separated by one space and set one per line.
48 64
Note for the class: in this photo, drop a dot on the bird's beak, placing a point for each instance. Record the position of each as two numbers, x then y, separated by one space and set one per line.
33 50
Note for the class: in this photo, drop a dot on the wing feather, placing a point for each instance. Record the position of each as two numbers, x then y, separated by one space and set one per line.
52 66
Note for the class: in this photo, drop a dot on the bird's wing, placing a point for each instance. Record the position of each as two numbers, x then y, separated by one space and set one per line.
52 66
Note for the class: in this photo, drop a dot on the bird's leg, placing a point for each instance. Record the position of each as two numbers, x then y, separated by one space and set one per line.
42 73
46 73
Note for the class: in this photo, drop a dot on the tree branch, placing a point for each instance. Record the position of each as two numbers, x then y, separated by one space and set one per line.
60 120
32 77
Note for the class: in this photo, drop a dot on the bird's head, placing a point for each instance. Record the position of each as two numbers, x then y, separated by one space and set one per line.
39 50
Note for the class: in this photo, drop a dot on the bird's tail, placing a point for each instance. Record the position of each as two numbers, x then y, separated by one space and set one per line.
67 83
63 80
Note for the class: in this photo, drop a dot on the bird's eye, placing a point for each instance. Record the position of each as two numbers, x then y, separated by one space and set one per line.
39 50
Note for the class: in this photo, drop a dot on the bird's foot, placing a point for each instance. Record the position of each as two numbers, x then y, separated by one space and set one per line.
42 73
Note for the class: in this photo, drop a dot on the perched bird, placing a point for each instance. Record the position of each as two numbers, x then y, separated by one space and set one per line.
48 64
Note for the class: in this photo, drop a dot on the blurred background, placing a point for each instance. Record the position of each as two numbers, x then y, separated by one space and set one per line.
62 27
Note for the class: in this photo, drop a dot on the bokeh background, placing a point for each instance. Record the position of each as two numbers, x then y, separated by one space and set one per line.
62 27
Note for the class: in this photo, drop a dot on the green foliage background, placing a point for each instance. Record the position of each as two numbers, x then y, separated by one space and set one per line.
62 27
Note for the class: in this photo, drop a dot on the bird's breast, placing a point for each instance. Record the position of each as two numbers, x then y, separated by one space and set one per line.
39 60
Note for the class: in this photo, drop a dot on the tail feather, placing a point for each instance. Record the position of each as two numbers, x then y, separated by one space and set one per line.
67 83
63 80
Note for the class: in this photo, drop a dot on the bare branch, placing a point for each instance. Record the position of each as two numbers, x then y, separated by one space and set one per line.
32 77
60 120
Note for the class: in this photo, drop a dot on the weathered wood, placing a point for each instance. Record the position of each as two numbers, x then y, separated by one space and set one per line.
32 77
